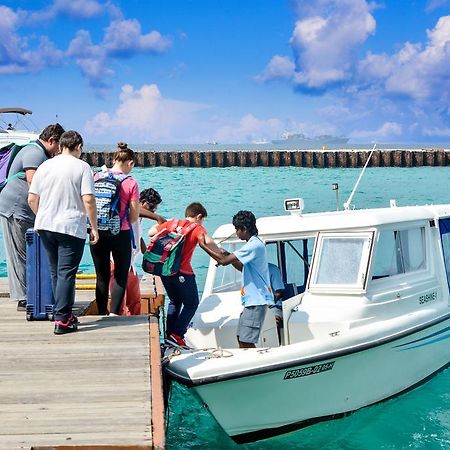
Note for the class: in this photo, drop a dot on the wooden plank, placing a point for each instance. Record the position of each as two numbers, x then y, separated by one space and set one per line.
90 389
158 414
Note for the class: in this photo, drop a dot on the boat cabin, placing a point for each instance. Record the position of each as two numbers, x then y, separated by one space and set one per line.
341 270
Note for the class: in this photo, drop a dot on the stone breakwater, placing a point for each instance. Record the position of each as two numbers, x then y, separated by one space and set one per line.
279 158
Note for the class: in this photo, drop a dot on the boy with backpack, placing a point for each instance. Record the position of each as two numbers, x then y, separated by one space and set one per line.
181 287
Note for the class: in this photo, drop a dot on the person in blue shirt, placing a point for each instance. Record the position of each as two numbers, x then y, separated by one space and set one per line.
251 260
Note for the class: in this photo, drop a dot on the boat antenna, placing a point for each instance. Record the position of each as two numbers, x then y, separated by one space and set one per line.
347 203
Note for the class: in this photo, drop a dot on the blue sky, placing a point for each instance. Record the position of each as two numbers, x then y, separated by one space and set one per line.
234 71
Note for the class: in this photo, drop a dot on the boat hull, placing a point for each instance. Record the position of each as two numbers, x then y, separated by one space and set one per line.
256 406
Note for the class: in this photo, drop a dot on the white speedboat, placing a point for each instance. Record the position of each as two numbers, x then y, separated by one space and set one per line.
366 317
15 128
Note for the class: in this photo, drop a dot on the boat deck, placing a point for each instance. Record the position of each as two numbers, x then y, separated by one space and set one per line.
98 388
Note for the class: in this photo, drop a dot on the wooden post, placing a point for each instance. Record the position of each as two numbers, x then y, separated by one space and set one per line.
297 158
263 158
341 158
242 155
139 159
376 158
186 159
408 157
197 159
150 159
219 160
386 158
176 159
161 159
429 157
353 159
440 157
285 158
274 158
253 159
308 159
319 159
207 159
397 158
230 158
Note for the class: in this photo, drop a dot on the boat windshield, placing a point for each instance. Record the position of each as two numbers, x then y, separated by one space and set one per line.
227 277
341 261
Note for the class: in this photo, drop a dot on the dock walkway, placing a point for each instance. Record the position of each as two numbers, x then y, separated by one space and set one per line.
98 388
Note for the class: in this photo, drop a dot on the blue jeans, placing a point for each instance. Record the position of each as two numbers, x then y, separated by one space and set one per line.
64 255
183 302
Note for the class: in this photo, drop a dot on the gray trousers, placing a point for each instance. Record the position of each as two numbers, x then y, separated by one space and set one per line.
15 245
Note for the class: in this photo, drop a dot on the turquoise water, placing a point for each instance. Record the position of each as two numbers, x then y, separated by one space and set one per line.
417 420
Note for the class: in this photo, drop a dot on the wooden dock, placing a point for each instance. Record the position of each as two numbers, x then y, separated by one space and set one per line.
281 158
98 388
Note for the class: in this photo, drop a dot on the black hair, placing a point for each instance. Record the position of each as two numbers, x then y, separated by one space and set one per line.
70 139
51 131
123 153
194 209
150 196
245 220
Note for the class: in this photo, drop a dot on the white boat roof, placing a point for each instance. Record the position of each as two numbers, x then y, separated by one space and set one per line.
291 224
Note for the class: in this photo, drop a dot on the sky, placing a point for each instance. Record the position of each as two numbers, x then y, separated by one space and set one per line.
231 71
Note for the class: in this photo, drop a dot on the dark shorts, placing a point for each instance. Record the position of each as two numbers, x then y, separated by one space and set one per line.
250 323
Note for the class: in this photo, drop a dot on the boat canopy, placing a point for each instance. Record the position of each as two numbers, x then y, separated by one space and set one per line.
15 110
290 225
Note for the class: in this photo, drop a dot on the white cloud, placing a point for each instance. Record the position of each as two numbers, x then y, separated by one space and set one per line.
249 129
416 71
16 54
77 9
435 4
385 131
278 67
124 37
91 59
437 132
144 115
326 39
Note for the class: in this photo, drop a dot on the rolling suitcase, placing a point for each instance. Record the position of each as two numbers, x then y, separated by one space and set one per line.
39 283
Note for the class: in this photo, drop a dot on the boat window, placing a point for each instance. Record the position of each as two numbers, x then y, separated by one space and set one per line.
399 252
293 258
444 228
298 255
227 277
341 261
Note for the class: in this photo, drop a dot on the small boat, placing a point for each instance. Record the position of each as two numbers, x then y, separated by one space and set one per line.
366 316
260 142
14 127
212 143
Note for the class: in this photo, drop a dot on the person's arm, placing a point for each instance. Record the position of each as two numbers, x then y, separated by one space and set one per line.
91 211
153 230
133 213
33 202
146 214
29 174
223 258
142 245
